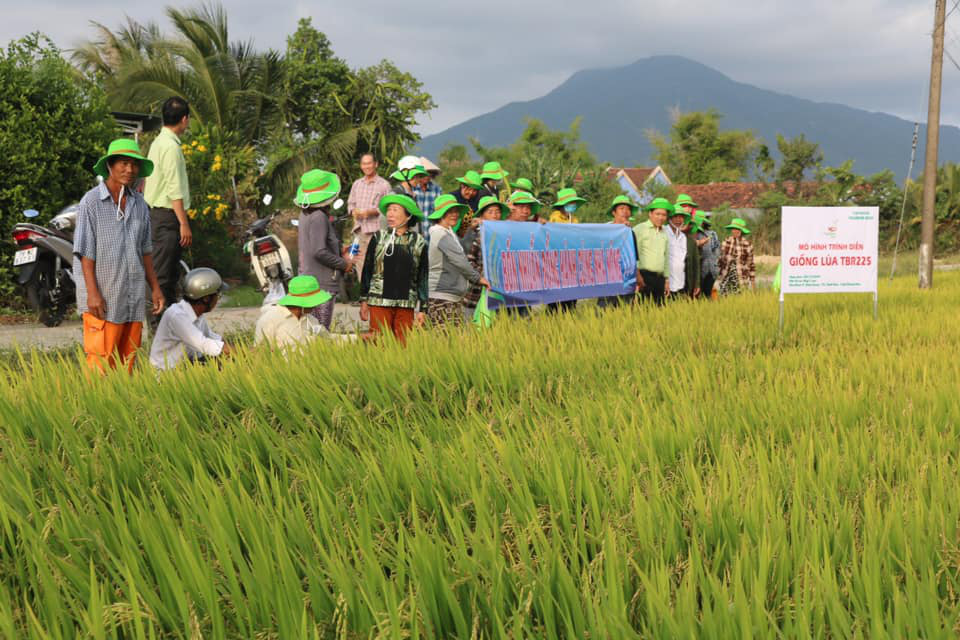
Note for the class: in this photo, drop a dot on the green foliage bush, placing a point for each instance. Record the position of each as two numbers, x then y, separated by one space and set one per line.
54 124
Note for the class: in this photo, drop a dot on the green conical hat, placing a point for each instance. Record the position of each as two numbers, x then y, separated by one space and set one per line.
523 184
567 196
623 200
316 187
487 201
304 291
685 199
471 179
404 201
660 203
443 204
402 176
123 147
523 197
739 223
493 171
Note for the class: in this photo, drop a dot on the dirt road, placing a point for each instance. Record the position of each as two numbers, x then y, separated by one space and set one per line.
70 333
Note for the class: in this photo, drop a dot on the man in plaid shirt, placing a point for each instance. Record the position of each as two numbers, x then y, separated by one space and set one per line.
425 194
363 203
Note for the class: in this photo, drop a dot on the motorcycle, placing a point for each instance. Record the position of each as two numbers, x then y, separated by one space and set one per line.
44 263
269 258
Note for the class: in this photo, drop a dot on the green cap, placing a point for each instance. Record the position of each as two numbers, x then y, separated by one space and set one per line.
685 199
739 223
488 201
317 187
443 204
619 200
523 184
567 196
402 176
660 203
493 171
523 197
123 147
404 201
304 291
471 179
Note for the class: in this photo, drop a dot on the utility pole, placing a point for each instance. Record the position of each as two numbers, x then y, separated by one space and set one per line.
933 138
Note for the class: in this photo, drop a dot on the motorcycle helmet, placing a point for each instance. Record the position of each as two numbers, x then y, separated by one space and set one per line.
200 283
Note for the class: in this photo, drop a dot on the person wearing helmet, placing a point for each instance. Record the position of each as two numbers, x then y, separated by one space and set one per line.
317 239
183 331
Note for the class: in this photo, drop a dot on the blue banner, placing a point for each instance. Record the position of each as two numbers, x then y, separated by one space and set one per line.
531 263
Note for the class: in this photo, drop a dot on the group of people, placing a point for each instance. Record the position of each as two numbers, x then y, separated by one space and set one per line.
415 252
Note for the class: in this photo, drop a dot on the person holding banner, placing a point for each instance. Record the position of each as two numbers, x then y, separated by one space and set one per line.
622 210
736 265
490 209
450 273
394 279
653 248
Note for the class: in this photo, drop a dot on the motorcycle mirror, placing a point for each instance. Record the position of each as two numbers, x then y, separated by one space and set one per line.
338 204
295 222
31 213
267 199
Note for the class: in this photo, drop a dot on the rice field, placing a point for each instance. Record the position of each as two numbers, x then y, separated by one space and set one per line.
684 472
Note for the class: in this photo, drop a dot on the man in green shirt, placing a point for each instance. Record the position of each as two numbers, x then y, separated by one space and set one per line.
168 194
653 265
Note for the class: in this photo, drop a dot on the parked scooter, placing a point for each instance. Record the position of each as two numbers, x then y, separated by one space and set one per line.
269 258
44 261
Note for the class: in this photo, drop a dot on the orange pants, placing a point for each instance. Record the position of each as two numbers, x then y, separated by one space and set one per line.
110 342
395 319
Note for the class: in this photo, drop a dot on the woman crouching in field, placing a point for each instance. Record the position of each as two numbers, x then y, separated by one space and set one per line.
394 279
736 267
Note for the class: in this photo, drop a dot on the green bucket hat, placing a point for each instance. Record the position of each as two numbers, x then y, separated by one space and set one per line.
567 196
487 201
404 201
696 223
443 204
123 147
399 176
493 171
523 197
660 203
304 291
316 187
739 223
523 184
685 199
623 200
471 179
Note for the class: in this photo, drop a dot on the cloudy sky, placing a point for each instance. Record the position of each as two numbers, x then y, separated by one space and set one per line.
475 57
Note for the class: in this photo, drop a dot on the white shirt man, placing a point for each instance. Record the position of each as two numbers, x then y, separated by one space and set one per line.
279 327
183 334
677 251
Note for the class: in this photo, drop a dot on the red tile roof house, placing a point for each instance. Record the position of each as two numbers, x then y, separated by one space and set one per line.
741 197
633 180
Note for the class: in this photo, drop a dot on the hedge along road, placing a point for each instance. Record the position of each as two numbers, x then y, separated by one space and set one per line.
224 321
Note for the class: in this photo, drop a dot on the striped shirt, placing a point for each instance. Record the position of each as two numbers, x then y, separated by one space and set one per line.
117 247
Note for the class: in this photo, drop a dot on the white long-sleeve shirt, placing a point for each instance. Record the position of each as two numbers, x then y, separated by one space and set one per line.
677 242
281 329
182 334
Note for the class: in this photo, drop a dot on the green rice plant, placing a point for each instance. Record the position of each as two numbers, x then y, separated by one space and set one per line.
676 472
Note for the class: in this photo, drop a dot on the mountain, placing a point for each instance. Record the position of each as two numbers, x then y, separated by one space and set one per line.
619 105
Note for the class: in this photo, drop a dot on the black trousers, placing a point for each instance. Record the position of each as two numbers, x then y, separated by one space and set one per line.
706 286
653 286
166 251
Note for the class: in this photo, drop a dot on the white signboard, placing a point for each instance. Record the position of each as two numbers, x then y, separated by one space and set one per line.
829 250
